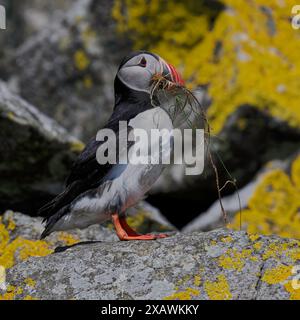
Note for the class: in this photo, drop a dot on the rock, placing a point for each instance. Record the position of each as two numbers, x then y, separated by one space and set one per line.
31 228
213 217
20 234
145 218
27 17
73 60
273 207
220 264
269 203
36 154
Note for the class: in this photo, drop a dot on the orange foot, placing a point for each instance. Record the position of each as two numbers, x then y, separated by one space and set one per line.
125 232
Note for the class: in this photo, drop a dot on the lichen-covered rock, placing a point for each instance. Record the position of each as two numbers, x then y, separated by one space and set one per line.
216 265
20 234
67 69
36 154
213 217
273 207
269 203
20 238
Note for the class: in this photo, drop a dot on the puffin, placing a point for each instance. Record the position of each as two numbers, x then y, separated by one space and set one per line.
94 192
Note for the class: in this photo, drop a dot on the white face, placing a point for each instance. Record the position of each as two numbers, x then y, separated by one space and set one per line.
137 72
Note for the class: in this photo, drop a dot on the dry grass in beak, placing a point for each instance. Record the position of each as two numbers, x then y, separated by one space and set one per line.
181 103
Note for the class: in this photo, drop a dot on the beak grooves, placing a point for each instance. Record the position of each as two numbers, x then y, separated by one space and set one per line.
176 77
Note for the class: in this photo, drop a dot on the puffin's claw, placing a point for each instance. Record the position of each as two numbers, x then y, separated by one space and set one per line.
125 232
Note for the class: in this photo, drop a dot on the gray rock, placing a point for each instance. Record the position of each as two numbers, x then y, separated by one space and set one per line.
36 154
213 218
216 265
31 228
25 18
67 69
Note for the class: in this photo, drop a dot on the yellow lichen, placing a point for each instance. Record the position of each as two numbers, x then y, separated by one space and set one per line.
295 254
294 293
11 224
23 249
277 275
136 221
254 237
295 172
142 222
274 205
14 293
81 60
186 294
88 36
19 248
213 242
67 238
219 289
233 259
10 115
197 280
9 294
88 82
257 245
77 146
30 282
2 275
274 250
184 279
227 239
28 297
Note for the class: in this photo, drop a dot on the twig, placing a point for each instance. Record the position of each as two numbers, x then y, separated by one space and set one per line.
161 83
218 187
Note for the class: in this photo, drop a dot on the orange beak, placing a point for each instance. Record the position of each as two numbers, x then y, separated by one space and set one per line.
176 77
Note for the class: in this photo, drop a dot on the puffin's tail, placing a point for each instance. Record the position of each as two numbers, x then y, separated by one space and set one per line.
57 207
51 221
45 233
53 206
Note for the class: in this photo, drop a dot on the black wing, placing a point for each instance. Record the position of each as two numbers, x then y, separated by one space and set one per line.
86 164
86 174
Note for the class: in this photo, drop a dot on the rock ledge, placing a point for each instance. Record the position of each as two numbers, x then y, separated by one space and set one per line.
220 264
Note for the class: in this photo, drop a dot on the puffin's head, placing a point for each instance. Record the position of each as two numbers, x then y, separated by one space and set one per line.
136 71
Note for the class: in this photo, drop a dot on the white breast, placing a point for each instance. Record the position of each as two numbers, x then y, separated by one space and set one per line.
156 118
129 187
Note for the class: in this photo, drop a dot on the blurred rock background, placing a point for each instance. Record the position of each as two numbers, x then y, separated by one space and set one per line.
58 60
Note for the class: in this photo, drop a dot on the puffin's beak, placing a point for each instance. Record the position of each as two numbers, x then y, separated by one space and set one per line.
170 72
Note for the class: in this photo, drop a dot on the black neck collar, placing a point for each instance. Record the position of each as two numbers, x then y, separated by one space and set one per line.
128 103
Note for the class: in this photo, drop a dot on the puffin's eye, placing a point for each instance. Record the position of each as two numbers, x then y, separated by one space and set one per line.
143 62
